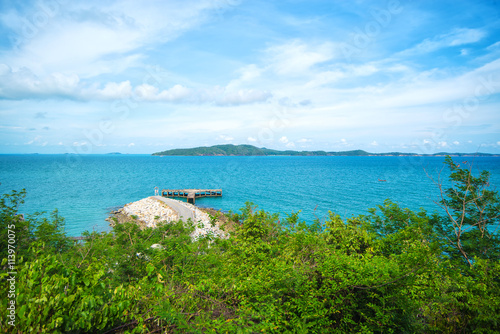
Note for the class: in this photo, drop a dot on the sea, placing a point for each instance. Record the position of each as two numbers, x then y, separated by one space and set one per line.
85 188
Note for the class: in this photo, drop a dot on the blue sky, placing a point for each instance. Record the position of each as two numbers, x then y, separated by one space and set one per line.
145 76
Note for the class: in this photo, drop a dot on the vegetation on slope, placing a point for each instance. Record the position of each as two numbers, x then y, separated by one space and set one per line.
393 270
249 150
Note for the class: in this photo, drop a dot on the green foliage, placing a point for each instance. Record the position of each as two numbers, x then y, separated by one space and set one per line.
58 299
391 271
27 229
249 150
470 225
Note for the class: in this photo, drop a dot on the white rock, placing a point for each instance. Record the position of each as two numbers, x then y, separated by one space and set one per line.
151 212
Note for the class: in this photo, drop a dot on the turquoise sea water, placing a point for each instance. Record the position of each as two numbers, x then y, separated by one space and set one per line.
85 188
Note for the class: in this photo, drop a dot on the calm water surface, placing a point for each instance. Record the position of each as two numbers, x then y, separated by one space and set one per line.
86 188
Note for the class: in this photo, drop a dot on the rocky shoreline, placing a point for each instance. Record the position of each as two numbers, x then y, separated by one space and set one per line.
148 212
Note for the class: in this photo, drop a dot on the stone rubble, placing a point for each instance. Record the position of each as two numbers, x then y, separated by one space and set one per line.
150 212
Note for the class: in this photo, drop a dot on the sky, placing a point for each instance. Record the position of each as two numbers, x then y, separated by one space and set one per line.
90 77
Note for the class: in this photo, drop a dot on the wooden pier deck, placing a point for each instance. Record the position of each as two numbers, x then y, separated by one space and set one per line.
191 194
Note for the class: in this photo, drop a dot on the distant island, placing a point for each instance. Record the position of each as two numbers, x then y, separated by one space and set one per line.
249 150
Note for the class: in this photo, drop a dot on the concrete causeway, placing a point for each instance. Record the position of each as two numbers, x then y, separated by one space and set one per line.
184 212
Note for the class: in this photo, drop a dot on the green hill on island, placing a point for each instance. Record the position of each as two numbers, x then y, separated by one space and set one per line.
250 150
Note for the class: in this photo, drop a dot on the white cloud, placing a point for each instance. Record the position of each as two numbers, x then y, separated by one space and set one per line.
91 38
76 47
494 46
297 57
242 96
456 37
304 140
225 138
290 145
146 92
24 84
488 144
283 140
362 70
326 77
456 142
176 93
12 127
374 143
436 87
113 90
443 144
342 72
251 139
463 36
131 145
218 95
248 73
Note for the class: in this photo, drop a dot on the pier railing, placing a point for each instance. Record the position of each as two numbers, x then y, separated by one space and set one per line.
191 194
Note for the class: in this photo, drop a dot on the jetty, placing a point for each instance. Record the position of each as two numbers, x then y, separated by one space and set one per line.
191 194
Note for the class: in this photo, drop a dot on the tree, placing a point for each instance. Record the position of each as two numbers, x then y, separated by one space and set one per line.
470 222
